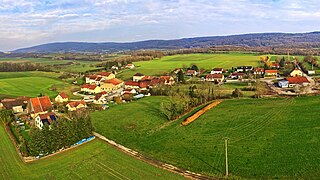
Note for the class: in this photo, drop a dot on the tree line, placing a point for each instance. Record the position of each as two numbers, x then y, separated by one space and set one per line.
61 134
26 66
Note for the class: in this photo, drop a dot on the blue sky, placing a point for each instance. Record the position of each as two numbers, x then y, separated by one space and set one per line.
31 22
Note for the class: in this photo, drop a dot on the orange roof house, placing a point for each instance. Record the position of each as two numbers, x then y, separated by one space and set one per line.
61 97
39 105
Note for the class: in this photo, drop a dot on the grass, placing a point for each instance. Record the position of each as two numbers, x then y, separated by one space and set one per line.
269 138
206 61
94 160
32 84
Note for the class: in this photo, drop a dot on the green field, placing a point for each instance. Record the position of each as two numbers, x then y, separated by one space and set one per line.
269 138
31 84
94 160
205 61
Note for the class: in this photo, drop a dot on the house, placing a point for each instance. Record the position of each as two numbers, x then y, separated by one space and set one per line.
75 105
129 91
129 66
61 97
258 71
47 118
191 72
138 77
244 68
136 85
217 71
283 83
296 72
16 105
236 75
100 98
275 65
106 75
115 68
218 78
39 105
270 73
94 79
111 85
167 80
297 80
91 89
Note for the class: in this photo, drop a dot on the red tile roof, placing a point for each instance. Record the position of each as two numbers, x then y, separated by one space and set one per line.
76 103
218 69
40 104
132 83
114 81
63 95
190 71
106 74
213 76
99 95
271 71
89 86
297 80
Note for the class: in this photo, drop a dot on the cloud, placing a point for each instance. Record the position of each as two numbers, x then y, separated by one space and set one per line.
37 21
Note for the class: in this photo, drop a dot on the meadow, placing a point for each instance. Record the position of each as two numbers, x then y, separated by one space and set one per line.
94 160
205 61
32 84
268 138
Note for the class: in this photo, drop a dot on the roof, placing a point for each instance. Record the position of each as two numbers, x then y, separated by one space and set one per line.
212 76
40 104
10 103
104 73
166 78
48 117
297 80
148 78
275 64
63 95
191 71
218 69
94 77
138 74
237 74
271 71
258 70
89 86
75 104
114 81
99 95
132 83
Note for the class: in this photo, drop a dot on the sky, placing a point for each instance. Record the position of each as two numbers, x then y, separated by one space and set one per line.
26 23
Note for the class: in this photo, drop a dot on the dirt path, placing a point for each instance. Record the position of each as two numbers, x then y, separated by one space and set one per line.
154 162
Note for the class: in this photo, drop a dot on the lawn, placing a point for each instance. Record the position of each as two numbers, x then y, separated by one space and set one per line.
206 61
94 160
269 138
32 84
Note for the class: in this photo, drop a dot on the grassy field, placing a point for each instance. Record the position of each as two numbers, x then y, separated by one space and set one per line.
32 84
94 160
206 61
269 138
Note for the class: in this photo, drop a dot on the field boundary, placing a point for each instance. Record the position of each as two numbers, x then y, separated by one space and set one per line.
196 115
154 162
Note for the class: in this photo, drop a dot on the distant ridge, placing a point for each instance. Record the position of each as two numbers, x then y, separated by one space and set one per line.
311 39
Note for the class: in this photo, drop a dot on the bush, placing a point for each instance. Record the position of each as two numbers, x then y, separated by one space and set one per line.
237 93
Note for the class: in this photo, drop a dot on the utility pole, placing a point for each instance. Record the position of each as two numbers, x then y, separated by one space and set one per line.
226 147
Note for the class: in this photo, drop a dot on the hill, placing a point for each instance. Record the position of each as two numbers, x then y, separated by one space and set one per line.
311 39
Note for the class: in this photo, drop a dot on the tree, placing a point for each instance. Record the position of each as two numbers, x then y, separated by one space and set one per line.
260 89
6 116
282 62
180 76
237 93
194 67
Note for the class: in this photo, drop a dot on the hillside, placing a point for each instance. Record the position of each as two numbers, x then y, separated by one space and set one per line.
253 40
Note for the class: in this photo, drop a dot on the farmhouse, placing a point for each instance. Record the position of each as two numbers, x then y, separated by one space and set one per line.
129 66
138 77
16 105
129 91
100 98
167 80
47 118
111 85
75 105
61 97
135 85
91 89
270 73
244 68
217 71
218 78
106 75
258 71
39 105
236 75
94 79
191 72
296 72
298 80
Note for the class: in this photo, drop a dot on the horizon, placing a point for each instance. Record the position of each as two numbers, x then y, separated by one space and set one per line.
27 23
